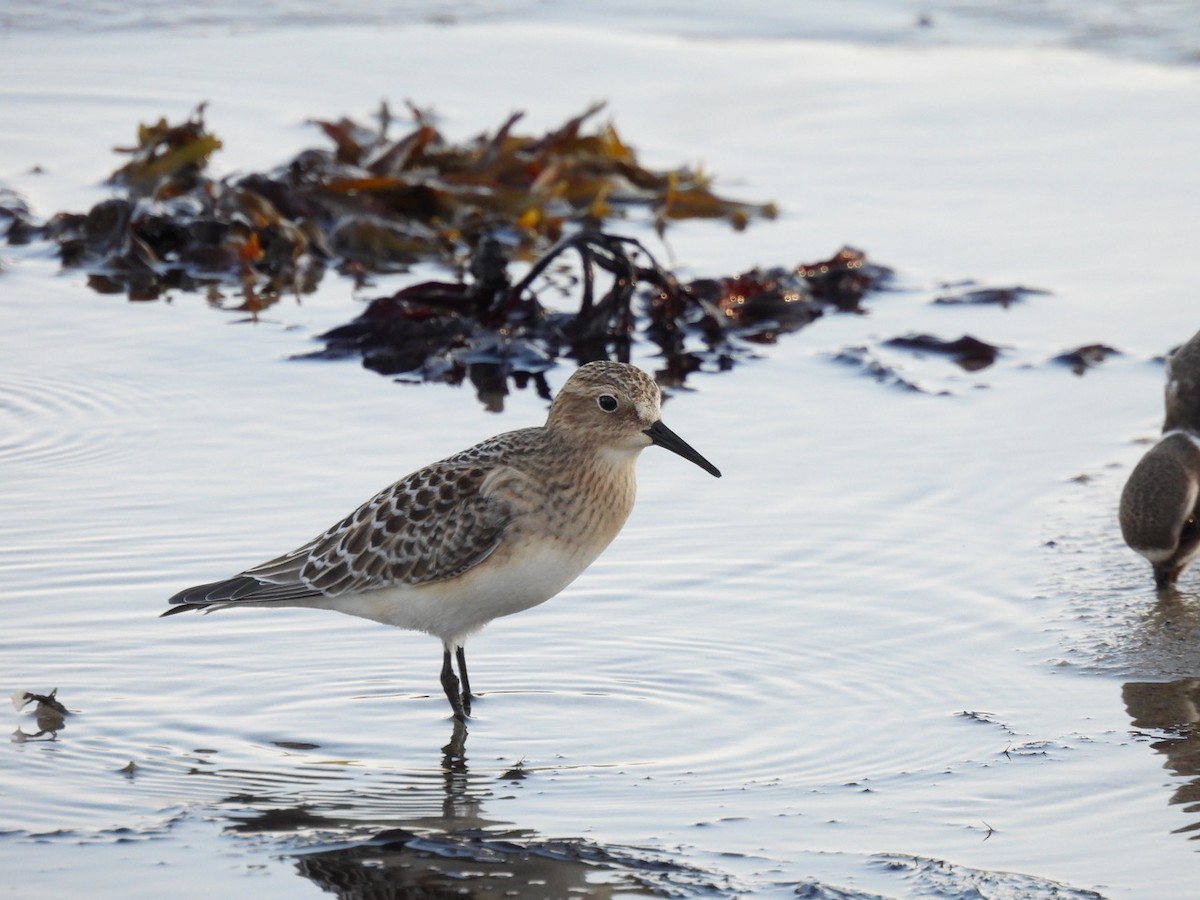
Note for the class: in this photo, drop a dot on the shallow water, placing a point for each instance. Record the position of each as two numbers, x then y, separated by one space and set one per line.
899 648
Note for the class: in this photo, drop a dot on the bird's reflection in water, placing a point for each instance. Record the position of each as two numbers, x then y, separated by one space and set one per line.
1172 708
373 841
1168 642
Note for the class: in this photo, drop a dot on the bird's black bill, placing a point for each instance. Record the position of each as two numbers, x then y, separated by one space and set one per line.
665 437
1164 576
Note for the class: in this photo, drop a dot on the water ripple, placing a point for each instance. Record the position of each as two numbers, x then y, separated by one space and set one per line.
49 421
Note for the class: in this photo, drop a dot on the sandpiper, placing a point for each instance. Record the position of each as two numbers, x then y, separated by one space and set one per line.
488 532
1161 501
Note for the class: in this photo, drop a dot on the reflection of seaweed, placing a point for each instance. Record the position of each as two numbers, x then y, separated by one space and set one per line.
445 330
862 358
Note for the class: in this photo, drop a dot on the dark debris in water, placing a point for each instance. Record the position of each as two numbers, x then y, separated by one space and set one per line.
968 352
516 773
928 877
45 702
1086 357
482 863
820 890
988 296
49 712
863 358
295 745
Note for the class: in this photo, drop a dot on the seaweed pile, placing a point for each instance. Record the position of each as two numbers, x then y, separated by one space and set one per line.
516 221
370 203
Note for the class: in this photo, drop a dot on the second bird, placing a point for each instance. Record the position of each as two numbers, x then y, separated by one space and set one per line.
490 531
1161 501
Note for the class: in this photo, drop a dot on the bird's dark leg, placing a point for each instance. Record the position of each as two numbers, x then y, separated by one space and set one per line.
450 686
461 653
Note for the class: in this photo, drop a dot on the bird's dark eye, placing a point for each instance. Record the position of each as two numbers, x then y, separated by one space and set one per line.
607 402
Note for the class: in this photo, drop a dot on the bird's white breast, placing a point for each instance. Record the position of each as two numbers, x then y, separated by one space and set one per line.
518 576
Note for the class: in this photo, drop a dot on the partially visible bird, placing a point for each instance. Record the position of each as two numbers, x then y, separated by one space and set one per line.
490 531
1160 504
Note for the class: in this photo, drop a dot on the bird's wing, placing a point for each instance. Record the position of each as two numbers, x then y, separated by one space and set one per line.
431 526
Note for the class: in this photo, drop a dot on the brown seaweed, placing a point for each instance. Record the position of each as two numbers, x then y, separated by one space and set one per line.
167 160
968 352
386 197
843 279
370 203
487 322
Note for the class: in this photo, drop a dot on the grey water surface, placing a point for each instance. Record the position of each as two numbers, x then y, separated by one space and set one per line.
899 650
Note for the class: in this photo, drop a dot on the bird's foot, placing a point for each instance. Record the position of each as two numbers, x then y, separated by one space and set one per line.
455 753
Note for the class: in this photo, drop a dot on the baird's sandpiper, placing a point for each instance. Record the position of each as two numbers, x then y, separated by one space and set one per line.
488 532
1160 504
